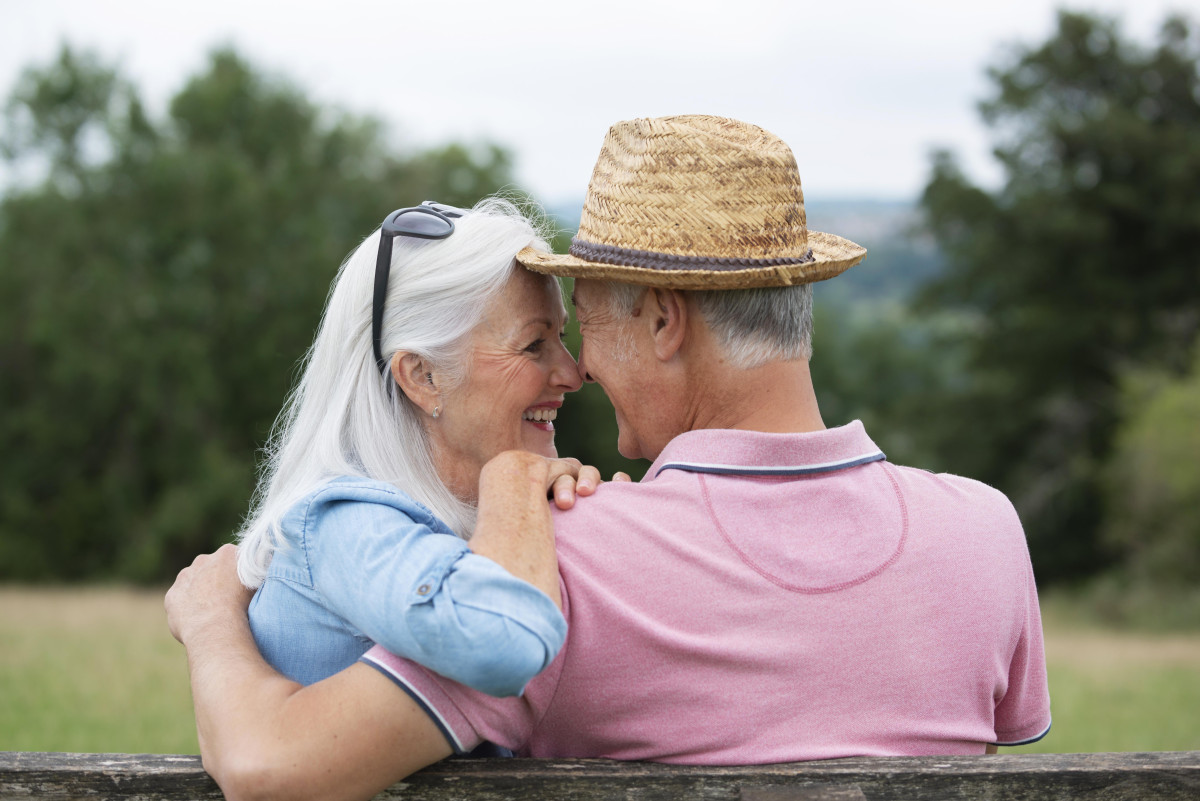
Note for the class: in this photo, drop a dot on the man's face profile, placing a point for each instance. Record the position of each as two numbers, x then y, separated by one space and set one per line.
608 357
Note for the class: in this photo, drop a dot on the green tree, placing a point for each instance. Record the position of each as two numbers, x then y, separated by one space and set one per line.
1153 479
877 362
157 290
1083 263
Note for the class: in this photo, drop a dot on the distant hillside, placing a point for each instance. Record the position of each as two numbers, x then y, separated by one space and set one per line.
898 259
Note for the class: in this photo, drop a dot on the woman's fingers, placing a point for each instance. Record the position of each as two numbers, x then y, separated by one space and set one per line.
564 489
561 467
568 478
588 480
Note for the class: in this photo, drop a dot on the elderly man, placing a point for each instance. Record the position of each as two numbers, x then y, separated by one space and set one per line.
771 591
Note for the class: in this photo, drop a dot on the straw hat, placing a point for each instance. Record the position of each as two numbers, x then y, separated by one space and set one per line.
696 202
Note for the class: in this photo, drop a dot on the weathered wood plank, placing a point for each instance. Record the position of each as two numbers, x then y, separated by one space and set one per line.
136 777
830 793
1112 777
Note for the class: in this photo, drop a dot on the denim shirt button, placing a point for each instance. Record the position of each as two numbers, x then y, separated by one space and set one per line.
423 589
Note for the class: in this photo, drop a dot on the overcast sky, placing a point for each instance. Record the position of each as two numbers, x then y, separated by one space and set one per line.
862 90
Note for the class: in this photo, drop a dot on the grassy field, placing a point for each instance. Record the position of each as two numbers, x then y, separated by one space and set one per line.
1119 691
96 670
91 670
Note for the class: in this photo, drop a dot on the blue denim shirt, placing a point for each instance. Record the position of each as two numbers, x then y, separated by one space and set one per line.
363 563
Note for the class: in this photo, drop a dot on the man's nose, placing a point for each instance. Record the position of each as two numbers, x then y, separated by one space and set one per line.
584 375
567 373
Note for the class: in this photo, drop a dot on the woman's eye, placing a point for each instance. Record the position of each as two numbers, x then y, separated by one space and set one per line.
535 346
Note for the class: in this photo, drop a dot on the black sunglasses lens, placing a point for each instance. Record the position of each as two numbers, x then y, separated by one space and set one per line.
412 222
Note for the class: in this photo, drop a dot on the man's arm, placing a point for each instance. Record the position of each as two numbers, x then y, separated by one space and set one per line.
263 736
355 733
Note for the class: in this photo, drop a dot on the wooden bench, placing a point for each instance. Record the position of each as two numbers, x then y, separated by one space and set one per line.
1113 777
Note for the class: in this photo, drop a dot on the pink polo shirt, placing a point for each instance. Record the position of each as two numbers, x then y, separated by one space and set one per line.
771 598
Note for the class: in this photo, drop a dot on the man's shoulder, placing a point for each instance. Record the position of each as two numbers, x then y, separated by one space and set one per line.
675 495
950 484
620 505
947 494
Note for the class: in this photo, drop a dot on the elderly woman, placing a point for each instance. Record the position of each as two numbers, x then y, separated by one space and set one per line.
404 497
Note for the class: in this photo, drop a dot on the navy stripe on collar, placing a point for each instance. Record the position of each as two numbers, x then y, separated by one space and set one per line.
773 470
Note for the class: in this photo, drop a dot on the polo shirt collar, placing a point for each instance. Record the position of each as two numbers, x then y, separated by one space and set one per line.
755 453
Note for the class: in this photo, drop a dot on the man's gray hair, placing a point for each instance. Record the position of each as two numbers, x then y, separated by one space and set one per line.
752 326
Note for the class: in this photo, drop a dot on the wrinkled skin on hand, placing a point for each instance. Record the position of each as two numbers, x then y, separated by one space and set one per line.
207 591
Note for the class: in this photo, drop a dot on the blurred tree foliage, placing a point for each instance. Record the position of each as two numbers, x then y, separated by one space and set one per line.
1082 265
159 285
157 290
1153 480
878 362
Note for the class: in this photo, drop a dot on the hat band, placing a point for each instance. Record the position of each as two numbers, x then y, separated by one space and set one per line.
651 260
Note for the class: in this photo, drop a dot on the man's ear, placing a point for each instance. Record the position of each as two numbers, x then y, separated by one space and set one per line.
666 311
415 377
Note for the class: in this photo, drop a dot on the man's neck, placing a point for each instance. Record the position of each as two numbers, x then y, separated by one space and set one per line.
776 398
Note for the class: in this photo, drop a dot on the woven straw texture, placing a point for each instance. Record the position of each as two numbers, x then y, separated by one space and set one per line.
697 202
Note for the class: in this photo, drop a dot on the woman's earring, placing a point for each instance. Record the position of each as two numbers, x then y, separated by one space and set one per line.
437 410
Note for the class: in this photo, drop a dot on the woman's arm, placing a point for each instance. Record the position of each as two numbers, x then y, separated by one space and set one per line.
265 737
514 528
401 579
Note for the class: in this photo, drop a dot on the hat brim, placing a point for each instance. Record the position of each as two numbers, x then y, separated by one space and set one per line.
832 255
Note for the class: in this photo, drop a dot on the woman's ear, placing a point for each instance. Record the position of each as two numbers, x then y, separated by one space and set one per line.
667 312
415 377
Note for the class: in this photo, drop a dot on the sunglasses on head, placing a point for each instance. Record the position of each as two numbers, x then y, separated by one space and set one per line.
430 220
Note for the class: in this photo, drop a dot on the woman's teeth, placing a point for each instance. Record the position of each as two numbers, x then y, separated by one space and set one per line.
540 415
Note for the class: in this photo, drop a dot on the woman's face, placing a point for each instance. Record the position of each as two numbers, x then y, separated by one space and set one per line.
518 374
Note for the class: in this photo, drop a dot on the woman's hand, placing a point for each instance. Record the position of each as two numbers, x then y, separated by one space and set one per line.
567 478
514 527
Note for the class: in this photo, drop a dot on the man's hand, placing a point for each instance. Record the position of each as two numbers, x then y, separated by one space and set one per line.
263 736
207 593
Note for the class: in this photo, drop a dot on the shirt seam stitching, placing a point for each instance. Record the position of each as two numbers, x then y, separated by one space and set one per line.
813 590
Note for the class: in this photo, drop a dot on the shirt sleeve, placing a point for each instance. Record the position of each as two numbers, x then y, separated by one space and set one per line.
1023 714
425 596
465 717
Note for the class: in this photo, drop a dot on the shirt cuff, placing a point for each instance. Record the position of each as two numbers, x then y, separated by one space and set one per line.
1023 736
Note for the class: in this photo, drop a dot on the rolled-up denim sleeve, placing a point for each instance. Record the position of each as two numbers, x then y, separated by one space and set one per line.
424 595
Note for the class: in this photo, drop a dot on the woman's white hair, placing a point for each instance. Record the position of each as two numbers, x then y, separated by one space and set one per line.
341 419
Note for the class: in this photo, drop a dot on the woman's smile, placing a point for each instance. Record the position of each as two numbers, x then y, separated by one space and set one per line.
542 416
